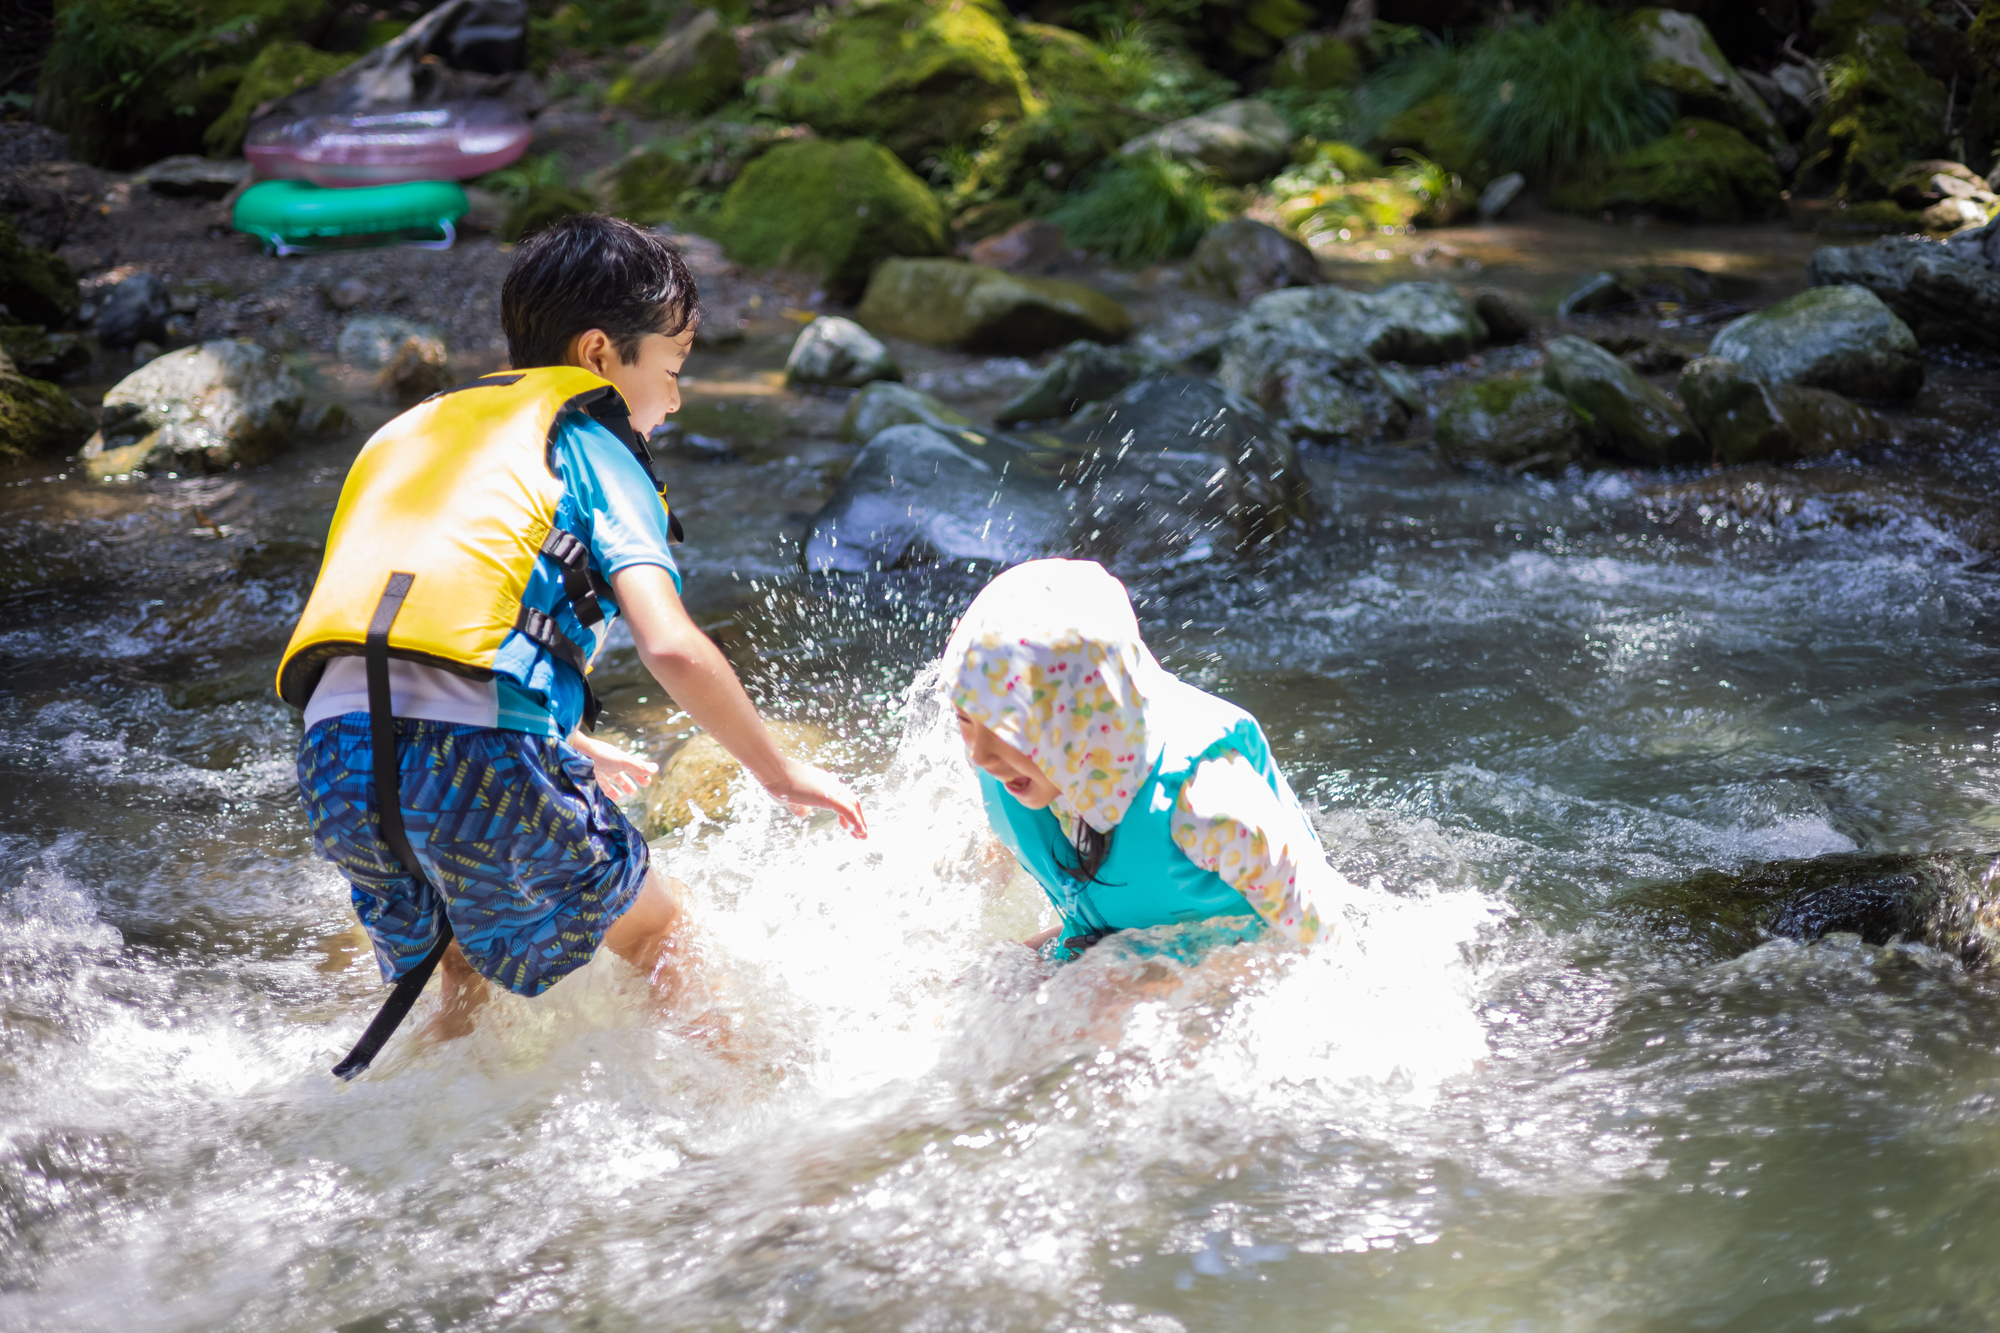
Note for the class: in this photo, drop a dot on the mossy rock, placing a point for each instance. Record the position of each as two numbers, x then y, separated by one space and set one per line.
1682 57
1264 26
1316 62
1699 171
831 209
1628 418
1842 338
695 68
1872 217
133 81
702 779
37 419
543 205
914 75
1519 424
646 186
950 303
280 69
1882 110
1751 420
884 404
35 285
1077 121
37 354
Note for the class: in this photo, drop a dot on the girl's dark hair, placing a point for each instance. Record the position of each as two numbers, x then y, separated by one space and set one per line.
593 272
1091 848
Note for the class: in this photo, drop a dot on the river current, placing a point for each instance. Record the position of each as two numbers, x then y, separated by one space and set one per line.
1508 1099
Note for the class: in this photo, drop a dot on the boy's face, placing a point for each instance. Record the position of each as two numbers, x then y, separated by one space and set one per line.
651 384
1016 772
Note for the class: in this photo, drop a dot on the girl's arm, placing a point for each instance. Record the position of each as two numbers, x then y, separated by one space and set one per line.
1229 820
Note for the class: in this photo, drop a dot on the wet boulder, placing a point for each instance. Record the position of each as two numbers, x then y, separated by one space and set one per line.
838 353
1629 419
1519 424
1177 469
35 286
700 779
1978 246
833 211
884 404
1839 338
912 76
1029 246
917 496
1242 142
1682 57
134 311
1083 372
1931 287
37 418
201 409
1507 316
1320 392
950 303
1699 171
1247 258
1422 323
694 69
1748 419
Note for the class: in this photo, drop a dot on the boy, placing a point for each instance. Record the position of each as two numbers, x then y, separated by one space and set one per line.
483 544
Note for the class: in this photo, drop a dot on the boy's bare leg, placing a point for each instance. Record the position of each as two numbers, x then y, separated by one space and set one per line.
464 993
656 935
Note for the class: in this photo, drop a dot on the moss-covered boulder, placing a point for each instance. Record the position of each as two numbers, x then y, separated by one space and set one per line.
950 303
280 69
1076 119
1628 418
35 286
1316 62
648 185
1517 423
1882 109
695 68
1683 58
41 355
1751 420
1841 338
832 210
1081 373
1699 171
884 403
914 75
37 419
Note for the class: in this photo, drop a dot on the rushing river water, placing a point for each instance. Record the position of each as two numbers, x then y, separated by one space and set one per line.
1508 1100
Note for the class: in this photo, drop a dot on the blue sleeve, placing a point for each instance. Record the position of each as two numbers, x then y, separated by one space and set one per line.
619 513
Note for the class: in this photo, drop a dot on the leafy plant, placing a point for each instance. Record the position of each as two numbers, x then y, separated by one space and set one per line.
1141 209
1331 113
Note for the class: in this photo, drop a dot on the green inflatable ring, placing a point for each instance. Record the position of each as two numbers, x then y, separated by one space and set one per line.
290 216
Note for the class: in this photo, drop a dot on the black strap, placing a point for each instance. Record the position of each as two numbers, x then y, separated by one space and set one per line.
389 815
610 412
580 582
542 628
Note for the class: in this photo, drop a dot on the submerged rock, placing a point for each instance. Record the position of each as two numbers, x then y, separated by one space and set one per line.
1628 418
1242 141
201 409
884 404
830 210
37 418
1839 338
695 68
1083 372
840 354
1748 419
1812 499
1247 258
950 303
1930 287
1519 424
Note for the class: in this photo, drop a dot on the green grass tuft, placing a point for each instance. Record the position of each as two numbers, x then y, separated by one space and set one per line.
1141 209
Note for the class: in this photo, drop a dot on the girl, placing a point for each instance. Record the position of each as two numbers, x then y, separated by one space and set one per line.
1134 799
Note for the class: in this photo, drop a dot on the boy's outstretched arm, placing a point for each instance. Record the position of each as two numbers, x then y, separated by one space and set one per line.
693 670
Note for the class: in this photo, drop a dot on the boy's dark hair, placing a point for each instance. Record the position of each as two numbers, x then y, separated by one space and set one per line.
593 272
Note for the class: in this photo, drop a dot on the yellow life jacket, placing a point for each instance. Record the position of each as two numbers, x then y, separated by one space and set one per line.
439 525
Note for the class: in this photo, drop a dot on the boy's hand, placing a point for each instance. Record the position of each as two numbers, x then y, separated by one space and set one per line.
803 787
620 773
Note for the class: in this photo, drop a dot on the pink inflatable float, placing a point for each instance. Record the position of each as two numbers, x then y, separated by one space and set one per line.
454 141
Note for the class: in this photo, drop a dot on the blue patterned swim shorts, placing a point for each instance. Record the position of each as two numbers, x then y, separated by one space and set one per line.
522 853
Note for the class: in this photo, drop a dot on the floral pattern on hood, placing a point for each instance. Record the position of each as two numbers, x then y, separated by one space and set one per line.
1049 656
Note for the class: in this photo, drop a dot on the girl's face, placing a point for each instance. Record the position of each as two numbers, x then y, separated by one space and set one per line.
1015 771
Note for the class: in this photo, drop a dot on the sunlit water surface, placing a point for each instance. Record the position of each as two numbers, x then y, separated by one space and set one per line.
1504 1101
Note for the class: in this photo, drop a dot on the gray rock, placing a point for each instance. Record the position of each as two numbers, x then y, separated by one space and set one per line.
1979 246
1500 194
884 404
189 176
1599 291
1791 113
838 353
1939 295
372 342
1683 58
1029 246
1748 420
1242 141
1518 424
1422 323
203 408
1083 372
1247 258
134 311
1508 317
950 303
1840 338
1313 389
916 496
1628 418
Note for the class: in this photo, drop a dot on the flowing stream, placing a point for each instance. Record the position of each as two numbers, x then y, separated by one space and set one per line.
1507 1100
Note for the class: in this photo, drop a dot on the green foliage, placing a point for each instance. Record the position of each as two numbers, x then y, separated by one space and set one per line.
1167 83
1699 171
279 69
1330 113
596 26
682 179
539 194
1881 110
1341 188
832 209
1141 209
1316 62
1554 96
